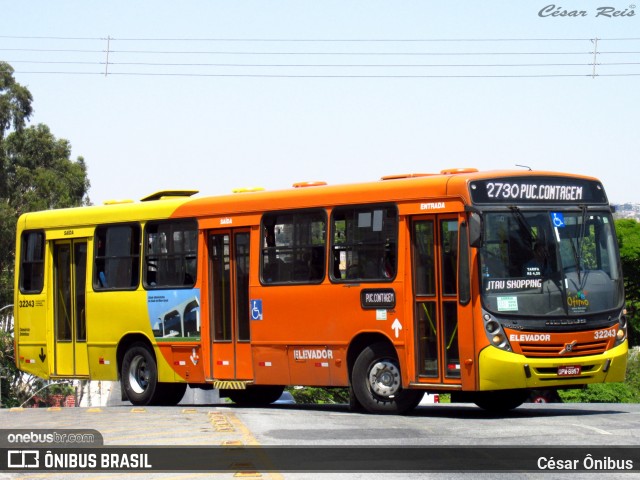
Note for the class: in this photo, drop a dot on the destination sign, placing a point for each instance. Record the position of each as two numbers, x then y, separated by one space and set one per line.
378 298
537 190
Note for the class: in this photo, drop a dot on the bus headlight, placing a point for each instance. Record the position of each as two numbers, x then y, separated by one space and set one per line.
621 334
494 332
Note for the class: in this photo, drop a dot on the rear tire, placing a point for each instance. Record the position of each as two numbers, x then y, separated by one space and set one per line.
377 383
139 375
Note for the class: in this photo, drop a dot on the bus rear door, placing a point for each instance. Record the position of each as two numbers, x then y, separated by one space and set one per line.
69 289
434 241
229 305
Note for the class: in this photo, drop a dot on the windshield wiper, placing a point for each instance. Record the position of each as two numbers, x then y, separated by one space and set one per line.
523 223
577 252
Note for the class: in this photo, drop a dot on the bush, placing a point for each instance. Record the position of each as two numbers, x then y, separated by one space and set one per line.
62 388
319 395
601 393
627 392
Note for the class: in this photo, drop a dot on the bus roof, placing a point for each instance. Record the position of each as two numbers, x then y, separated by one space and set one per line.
452 183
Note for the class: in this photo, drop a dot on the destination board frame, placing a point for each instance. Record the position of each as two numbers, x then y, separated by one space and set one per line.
537 190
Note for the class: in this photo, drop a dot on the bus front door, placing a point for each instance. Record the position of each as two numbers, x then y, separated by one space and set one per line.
229 305
434 241
70 327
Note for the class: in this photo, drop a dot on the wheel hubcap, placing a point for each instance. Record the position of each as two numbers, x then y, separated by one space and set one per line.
139 375
384 378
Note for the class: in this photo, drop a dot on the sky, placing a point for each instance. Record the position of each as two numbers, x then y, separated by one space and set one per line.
214 95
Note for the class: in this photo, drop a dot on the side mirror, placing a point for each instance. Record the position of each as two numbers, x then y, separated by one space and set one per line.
475 229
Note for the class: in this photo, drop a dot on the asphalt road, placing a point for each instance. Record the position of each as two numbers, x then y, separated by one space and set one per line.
591 427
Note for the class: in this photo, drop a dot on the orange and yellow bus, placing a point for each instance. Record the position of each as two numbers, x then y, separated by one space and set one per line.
486 285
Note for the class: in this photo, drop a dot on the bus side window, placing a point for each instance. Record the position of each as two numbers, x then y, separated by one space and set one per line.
32 262
293 247
365 240
116 257
449 247
171 254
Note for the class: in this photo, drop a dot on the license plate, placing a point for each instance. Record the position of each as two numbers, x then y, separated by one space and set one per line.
569 370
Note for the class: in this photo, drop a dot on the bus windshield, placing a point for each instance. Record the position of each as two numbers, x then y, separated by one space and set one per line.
550 263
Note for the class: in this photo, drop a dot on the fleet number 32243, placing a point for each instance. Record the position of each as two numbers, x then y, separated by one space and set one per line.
602 334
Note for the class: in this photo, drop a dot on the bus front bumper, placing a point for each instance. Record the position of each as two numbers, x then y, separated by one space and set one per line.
501 370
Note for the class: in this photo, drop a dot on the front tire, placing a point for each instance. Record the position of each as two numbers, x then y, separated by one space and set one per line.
377 383
139 375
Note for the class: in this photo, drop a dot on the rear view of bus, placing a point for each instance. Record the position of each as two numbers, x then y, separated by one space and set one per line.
551 286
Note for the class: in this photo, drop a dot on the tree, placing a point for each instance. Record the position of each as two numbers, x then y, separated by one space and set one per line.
15 110
15 101
39 173
628 232
36 173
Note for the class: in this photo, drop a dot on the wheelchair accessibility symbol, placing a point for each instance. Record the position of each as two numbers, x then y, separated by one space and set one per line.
558 219
256 309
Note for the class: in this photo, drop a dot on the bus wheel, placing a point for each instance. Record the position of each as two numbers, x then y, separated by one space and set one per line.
139 375
500 401
377 383
257 395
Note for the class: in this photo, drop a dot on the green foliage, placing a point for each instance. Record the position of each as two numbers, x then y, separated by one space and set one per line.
633 373
8 369
601 393
36 173
627 392
39 174
15 101
16 386
61 389
628 232
319 395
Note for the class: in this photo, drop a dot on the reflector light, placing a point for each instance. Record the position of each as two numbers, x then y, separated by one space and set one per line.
308 184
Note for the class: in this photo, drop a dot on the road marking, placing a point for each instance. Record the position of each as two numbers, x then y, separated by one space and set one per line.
595 429
248 439
220 422
246 473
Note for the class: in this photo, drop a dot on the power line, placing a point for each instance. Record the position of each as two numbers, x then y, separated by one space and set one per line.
256 75
240 52
51 50
510 57
326 65
313 40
